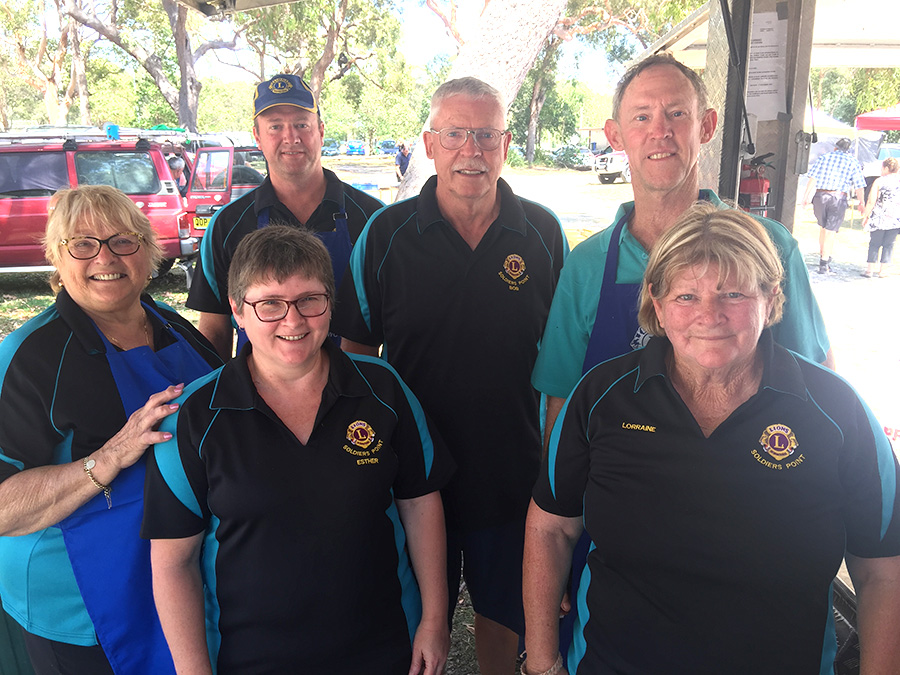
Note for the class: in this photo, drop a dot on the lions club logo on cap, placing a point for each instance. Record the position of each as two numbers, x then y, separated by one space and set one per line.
778 440
360 434
280 85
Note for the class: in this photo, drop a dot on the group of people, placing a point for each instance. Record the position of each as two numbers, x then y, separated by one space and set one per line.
831 179
311 504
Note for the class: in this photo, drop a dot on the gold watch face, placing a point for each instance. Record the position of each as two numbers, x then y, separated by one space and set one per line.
90 464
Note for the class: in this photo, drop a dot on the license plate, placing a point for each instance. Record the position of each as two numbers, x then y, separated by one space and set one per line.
201 223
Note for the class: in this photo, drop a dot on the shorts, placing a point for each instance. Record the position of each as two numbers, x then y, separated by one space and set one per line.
830 210
49 657
490 560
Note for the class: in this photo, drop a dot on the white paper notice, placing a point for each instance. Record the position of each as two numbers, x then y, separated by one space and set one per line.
766 76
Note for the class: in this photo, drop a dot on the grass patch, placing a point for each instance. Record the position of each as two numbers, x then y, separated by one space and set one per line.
23 296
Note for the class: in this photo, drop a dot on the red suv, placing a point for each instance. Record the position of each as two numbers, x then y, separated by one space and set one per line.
35 164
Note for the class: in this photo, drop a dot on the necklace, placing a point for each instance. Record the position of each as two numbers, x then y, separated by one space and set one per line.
146 335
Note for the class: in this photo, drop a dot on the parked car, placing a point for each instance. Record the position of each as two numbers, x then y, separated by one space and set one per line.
35 164
387 147
356 147
218 176
330 147
573 157
612 164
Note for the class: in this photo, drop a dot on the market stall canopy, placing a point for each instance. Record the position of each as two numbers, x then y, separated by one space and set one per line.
847 33
219 7
880 120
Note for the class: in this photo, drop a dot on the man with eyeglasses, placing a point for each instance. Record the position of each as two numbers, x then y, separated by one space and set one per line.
454 285
288 128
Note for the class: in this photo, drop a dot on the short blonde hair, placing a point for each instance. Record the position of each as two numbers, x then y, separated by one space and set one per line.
706 235
100 207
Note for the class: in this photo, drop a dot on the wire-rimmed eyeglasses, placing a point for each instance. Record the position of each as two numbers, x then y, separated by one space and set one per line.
86 247
275 309
453 138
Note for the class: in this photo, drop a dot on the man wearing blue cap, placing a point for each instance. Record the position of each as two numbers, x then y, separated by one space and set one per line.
288 128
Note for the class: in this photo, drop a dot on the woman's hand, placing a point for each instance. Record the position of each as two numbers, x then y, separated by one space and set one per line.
138 434
430 648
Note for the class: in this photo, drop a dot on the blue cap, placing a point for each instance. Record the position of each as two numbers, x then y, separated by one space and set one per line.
283 90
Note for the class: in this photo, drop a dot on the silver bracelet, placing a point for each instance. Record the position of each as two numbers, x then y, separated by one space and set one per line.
554 669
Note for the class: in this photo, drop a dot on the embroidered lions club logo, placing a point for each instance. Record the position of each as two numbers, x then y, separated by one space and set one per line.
360 434
514 266
280 86
779 441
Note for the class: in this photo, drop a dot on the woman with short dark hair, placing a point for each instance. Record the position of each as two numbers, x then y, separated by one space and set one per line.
299 494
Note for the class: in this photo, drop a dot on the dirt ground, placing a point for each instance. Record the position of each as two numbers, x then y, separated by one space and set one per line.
860 314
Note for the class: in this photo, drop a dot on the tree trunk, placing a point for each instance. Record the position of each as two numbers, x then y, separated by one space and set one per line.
79 76
317 72
502 50
189 91
538 96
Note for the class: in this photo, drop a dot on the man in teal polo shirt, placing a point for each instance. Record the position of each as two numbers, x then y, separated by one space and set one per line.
660 119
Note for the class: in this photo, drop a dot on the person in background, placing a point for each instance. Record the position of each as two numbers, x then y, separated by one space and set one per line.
882 217
177 167
721 480
83 387
288 128
300 490
401 161
455 285
833 176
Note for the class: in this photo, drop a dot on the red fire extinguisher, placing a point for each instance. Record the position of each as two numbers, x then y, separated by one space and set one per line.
754 188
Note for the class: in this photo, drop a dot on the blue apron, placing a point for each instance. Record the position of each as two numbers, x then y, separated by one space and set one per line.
110 560
615 332
339 247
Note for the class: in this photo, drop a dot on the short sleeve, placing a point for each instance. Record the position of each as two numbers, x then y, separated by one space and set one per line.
870 477
176 485
802 328
424 462
209 287
563 478
359 297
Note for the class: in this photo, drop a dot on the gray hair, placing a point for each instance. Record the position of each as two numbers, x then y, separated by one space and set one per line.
175 163
470 87
661 59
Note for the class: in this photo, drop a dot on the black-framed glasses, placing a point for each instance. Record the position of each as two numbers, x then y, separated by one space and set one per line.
275 309
453 138
121 244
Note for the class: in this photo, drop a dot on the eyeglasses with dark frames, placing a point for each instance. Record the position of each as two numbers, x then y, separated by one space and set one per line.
453 138
120 244
275 309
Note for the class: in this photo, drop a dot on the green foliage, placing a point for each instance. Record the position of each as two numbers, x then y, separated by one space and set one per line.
557 120
225 106
515 159
845 93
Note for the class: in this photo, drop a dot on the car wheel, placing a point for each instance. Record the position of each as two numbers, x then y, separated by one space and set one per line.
607 178
626 174
163 268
